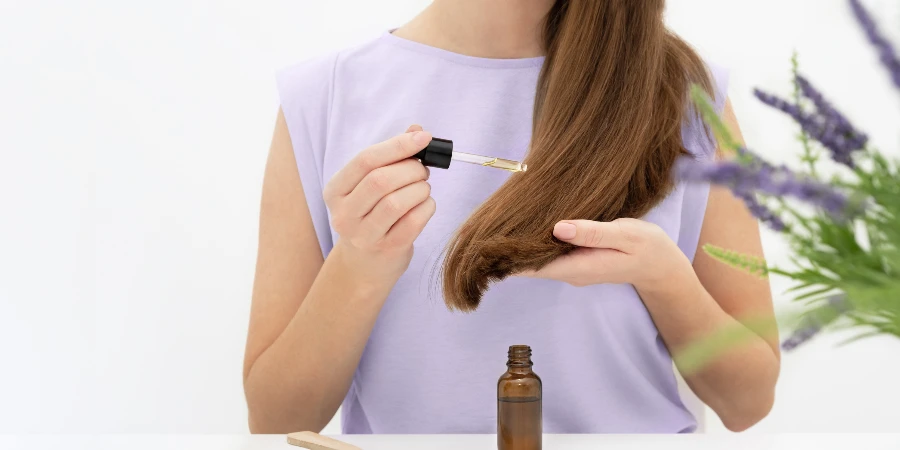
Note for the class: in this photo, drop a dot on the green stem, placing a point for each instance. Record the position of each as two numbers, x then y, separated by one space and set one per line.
809 157
708 112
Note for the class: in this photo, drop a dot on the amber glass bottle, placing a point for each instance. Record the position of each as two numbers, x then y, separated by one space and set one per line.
519 421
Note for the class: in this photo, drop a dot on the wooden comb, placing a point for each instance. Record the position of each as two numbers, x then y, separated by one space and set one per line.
314 441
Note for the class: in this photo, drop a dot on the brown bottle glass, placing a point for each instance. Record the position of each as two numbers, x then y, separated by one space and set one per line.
519 421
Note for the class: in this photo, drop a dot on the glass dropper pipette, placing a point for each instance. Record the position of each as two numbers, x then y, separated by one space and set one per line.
440 153
488 161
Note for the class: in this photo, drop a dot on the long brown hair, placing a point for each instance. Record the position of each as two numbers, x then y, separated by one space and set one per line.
611 99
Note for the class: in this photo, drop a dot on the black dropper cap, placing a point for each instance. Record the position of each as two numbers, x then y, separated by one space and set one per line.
438 153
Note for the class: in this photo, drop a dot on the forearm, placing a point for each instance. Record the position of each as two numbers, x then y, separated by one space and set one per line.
299 382
738 384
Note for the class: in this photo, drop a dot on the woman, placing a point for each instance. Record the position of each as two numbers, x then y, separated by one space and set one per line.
350 233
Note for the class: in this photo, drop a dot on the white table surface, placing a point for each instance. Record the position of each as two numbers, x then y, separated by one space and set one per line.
460 442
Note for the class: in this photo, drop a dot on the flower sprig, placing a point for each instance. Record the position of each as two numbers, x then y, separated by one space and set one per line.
844 235
810 156
748 263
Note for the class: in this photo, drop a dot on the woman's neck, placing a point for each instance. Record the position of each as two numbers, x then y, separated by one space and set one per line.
482 28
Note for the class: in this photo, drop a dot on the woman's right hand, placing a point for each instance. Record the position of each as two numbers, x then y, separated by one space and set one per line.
380 202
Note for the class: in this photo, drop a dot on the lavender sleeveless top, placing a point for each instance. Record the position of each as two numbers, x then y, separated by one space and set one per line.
426 370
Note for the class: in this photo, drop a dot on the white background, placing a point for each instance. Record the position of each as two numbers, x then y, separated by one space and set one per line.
134 136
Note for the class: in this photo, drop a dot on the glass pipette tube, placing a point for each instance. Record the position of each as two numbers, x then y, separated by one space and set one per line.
490 161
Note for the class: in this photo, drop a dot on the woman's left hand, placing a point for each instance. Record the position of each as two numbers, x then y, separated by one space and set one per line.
622 251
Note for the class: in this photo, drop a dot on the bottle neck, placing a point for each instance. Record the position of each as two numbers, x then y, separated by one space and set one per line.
519 359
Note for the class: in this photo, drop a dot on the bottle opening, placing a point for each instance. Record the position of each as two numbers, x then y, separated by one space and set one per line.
520 350
519 356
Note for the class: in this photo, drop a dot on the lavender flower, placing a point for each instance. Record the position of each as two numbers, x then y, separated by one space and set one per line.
885 48
761 212
814 324
857 139
748 179
755 160
826 126
800 337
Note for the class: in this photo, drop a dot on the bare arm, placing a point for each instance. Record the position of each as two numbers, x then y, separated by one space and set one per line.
740 385
310 316
688 303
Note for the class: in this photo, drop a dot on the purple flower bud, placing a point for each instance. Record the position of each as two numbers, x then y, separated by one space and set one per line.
800 337
827 125
822 105
758 177
813 325
885 49
761 212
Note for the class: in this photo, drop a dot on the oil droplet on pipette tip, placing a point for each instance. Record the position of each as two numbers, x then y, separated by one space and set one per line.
506 164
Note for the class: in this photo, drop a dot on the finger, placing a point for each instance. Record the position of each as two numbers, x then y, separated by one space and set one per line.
582 266
381 182
392 207
413 129
558 269
408 228
589 233
379 155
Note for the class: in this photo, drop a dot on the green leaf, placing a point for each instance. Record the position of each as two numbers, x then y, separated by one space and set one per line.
748 263
815 293
858 337
698 354
708 112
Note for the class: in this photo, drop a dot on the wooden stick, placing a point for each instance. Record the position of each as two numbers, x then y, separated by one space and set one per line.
313 441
